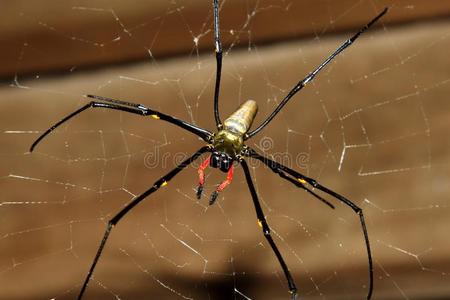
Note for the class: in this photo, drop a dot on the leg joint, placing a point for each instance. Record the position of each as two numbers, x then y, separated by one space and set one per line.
112 223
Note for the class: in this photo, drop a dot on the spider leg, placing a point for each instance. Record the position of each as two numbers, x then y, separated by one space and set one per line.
218 50
276 167
302 186
302 83
134 108
112 222
266 230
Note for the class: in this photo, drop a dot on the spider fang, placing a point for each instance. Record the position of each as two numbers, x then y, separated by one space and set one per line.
214 160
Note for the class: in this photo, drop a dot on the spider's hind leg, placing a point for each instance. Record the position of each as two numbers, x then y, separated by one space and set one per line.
266 231
113 221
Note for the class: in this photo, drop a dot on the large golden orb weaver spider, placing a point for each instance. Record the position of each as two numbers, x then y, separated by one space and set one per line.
227 147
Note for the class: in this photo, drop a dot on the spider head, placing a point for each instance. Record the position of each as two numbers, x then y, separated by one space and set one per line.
221 160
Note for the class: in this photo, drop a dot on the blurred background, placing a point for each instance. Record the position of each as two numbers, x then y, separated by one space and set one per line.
373 126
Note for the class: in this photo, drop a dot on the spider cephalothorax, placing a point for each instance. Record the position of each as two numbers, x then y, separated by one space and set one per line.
226 147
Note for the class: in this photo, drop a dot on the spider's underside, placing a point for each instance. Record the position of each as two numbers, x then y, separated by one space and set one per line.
226 147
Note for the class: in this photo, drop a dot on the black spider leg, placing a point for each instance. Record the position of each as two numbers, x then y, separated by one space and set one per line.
112 222
302 83
218 50
276 167
266 230
131 108
302 186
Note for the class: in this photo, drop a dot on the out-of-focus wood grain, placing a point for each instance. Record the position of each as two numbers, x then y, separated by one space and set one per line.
59 37
387 97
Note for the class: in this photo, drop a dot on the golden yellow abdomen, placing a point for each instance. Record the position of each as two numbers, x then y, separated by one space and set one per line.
240 121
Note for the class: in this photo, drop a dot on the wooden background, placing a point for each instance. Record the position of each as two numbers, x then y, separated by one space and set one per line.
382 107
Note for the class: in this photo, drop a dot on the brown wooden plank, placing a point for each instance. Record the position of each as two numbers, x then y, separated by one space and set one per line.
54 35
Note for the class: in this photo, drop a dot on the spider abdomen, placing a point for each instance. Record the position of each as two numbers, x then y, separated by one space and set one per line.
240 121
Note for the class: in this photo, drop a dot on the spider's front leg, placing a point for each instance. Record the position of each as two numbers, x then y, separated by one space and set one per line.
218 50
134 108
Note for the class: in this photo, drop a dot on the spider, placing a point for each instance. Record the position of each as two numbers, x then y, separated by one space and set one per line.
227 149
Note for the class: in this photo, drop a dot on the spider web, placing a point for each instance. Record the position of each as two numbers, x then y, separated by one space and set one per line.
370 127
